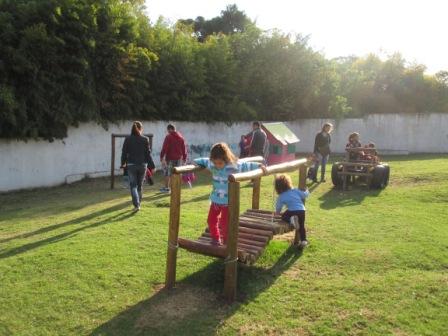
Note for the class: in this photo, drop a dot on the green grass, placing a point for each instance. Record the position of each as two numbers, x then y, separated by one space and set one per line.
74 260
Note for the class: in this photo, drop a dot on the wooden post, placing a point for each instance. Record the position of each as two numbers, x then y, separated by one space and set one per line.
302 176
302 185
231 265
112 162
173 232
344 177
256 193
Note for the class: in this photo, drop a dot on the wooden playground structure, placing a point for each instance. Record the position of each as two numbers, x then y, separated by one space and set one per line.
248 233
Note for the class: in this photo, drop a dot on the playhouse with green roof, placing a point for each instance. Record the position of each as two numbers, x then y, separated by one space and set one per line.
282 142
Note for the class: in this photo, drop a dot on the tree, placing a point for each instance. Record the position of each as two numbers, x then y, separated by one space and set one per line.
231 21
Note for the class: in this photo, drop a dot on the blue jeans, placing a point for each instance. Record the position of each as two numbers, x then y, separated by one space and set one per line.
321 161
136 177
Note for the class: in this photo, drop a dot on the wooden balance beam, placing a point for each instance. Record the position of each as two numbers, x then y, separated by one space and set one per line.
248 233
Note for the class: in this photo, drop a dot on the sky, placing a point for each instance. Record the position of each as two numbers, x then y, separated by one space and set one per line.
417 29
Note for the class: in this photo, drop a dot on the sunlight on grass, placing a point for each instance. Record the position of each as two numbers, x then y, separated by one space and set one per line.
75 260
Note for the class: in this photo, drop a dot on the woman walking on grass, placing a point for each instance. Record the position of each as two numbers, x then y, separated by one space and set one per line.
135 156
322 150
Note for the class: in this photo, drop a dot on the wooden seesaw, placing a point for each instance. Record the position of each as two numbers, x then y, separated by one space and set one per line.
248 233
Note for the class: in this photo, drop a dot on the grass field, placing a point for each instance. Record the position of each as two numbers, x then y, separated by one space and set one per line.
74 260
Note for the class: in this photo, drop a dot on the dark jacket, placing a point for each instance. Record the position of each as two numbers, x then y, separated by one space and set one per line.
322 143
258 143
174 147
136 151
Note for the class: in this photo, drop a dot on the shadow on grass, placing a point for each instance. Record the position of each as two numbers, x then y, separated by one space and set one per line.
197 199
335 198
155 196
30 246
53 201
195 306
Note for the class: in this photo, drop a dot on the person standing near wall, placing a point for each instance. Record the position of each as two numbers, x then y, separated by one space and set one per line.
173 154
322 150
258 142
135 156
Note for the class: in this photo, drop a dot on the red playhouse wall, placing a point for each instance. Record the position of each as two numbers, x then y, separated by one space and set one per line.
278 158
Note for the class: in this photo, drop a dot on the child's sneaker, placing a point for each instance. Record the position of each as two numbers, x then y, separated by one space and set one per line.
294 222
303 244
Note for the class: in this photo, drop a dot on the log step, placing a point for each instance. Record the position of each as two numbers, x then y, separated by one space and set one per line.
202 248
264 218
246 254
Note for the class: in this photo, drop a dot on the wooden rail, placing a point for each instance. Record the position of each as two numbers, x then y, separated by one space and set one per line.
270 170
195 168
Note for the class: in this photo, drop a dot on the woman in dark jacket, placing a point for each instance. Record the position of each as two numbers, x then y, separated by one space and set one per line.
322 150
135 156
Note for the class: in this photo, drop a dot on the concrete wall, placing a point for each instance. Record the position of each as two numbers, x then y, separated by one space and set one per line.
87 149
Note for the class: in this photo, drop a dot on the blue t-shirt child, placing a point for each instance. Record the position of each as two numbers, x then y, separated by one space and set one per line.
292 199
219 194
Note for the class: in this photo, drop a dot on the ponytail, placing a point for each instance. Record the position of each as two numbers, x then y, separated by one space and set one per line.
136 128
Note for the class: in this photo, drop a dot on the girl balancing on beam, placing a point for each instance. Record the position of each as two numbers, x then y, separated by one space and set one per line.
222 163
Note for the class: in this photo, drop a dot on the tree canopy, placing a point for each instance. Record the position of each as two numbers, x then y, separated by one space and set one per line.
63 62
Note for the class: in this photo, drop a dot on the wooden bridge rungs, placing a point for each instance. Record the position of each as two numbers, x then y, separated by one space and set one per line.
241 246
263 213
261 220
253 234
267 219
264 233
266 216
244 240
254 237
255 230
202 248
260 212
256 225
247 254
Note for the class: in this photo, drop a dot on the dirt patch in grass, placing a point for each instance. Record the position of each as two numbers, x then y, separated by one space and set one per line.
399 332
289 237
418 179
377 255
177 304
260 329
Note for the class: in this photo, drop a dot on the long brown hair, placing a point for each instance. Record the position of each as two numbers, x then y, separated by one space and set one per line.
136 128
221 151
282 183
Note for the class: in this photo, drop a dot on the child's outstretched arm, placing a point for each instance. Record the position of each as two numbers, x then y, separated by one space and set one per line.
248 166
203 162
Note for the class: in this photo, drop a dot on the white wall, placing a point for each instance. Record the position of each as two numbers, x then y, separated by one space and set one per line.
87 149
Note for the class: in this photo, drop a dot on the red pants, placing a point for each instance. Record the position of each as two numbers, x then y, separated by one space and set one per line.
218 219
